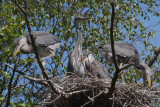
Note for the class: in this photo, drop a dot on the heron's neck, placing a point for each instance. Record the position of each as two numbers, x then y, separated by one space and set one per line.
76 24
78 45
146 68
27 49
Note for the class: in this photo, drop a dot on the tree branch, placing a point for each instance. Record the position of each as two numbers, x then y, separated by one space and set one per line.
154 57
26 13
26 76
4 79
20 85
111 90
0 5
10 84
125 67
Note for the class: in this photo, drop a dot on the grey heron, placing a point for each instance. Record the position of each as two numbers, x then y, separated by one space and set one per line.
126 54
45 42
94 67
74 64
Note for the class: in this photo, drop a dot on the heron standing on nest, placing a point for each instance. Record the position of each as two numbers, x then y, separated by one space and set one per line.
45 42
75 65
94 67
125 54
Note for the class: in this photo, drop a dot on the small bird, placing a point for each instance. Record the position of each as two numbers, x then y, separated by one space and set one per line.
45 42
126 54
94 67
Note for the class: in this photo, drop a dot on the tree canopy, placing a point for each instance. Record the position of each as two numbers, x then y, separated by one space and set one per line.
132 24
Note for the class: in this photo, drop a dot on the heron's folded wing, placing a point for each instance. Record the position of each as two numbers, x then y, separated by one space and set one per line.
101 70
43 38
46 40
121 49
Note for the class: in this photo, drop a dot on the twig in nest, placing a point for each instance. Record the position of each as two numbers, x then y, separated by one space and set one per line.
92 99
53 100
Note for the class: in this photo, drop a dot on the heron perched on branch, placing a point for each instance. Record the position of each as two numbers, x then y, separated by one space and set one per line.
126 54
75 65
45 42
94 67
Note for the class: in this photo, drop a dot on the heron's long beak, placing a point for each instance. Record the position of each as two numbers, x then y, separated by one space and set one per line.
83 59
17 50
149 81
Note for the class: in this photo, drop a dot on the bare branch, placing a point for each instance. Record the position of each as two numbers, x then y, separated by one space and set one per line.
10 84
154 57
125 67
28 77
0 5
111 90
91 99
20 85
4 79
53 100
16 80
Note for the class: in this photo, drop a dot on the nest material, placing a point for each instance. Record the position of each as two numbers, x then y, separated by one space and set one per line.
92 92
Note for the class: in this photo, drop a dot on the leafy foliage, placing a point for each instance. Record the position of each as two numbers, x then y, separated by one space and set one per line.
56 17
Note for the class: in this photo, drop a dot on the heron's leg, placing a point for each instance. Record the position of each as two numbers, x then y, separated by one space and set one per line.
51 55
42 61
122 73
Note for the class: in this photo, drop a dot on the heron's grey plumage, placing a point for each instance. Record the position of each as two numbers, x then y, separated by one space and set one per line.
94 67
74 64
126 54
43 40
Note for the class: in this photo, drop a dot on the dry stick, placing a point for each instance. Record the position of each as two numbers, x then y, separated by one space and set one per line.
53 100
154 57
26 13
40 81
112 88
20 85
125 67
16 80
92 99
4 79
10 84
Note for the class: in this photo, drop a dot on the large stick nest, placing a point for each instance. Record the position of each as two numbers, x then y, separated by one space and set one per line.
79 92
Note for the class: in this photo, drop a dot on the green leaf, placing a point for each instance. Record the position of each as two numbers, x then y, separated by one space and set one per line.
2 98
23 22
20 105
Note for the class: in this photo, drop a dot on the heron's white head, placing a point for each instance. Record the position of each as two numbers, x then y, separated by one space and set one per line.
89 58
20 42
79 19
